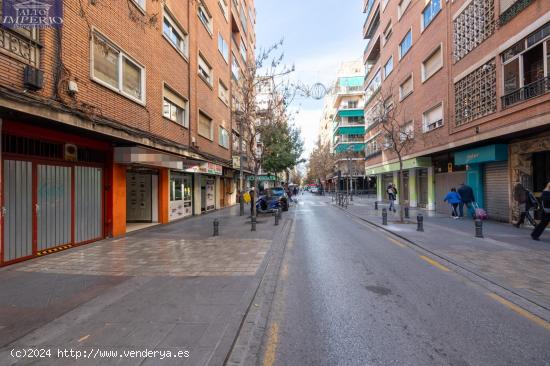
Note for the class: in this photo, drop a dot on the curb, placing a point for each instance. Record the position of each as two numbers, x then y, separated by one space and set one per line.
532 306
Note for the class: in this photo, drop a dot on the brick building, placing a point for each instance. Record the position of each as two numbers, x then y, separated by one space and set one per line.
117 120
470 78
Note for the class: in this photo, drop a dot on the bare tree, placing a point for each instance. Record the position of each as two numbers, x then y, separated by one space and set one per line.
397 132
321 163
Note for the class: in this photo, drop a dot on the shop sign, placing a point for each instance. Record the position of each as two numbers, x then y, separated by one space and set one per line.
206 168
32 13
485 154
263 178
236 162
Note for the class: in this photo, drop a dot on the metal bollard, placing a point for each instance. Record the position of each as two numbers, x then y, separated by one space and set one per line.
376 205
479 228
407 212
253 220
384 217
420 223
216 227
276 217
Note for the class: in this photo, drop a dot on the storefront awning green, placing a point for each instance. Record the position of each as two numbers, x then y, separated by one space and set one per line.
354 130
484 154
340 148
422 162
351 113
351 81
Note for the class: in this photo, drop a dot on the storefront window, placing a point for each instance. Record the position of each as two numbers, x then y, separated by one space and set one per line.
176 188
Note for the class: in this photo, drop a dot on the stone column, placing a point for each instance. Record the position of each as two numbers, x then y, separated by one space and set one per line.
197 181
413 200
396 182
379 188
431 189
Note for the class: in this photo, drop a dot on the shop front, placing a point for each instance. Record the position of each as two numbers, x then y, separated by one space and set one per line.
53 191
206 178
488 174
181 195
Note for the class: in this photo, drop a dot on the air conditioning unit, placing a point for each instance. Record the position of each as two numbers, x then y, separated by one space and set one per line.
34 78
70 152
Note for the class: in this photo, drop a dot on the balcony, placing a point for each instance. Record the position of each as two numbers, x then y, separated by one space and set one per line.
345 139
372 53
353 147
371 25
529 91
342 130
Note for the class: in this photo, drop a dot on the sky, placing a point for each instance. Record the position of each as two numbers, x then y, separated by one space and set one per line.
318 35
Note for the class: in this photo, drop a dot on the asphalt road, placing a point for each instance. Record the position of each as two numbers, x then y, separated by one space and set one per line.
350 295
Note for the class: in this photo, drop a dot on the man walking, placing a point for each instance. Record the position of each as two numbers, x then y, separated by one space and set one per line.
467 195
545 198
392 196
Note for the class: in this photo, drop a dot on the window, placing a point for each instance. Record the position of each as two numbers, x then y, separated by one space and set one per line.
235 68
242 16
223 47
388 67
140 3
114 69
205 17
175 107
430 11
407 131
223 92
373 86
472 26
243 50
352 104
402 7
224 8
406 44
205 71
387 33
174 34
433 118
205 126
432 64
406 88
224 138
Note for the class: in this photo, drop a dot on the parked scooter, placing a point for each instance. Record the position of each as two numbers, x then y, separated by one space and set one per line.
266 204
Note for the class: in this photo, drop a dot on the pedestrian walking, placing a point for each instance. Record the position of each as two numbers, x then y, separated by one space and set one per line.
526 201
392 196
545 199
454 199
467 197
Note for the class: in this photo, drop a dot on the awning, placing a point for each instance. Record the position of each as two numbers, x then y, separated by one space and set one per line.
485 154
350 130
150 157
351 113
423 162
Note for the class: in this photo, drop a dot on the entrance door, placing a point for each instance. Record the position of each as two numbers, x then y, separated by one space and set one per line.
222 191
139 205
53 212
17 210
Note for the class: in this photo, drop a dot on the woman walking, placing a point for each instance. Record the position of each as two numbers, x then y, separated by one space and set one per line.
539 229
453 198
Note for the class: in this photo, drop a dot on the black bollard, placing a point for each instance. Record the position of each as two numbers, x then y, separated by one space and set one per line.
420 223
253 220
384 217
406 212
376 205
216 227
276 214
479 228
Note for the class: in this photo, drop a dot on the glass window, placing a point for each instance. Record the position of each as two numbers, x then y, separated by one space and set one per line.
175 107
205 71
223 47
205 17
511 76
224 138
175 35
433 118
388 67
223 92
235 68
430 11
243 50
105 62
223 7
132 79
405 44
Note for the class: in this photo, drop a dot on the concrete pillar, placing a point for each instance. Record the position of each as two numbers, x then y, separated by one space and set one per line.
119 200
379 188
396 182
197 181
431 189
164 196
219 193
413 197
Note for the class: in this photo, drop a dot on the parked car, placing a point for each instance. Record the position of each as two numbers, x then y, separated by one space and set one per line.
314 190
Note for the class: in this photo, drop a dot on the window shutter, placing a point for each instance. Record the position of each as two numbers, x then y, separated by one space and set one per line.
505 4
205 126
435 114
174 98
432 64
407 87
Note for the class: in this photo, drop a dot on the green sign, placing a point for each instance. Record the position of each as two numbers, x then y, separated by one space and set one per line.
485 154
263 178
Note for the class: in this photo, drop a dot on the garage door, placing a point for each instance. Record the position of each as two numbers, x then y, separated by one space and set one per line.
495 186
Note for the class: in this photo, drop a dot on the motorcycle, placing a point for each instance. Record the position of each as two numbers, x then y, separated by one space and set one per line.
266 204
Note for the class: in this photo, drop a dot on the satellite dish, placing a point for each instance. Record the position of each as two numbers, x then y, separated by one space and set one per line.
318 91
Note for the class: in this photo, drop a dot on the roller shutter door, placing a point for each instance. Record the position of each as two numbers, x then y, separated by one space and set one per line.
495 186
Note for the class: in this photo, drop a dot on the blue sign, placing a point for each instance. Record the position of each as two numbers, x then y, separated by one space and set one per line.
32 13
485 154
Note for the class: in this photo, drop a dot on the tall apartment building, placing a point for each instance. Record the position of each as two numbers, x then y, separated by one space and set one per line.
348 124
117 120
325 122
470 78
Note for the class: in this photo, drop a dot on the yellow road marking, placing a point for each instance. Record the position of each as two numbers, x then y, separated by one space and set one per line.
83 338
396 242
269 357
543 323
434 263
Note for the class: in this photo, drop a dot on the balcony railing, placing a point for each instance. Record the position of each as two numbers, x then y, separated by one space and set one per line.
349 89
352 140
535 89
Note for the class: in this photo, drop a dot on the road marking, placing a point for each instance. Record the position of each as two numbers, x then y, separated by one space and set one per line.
83 338
543 323
435 264
269 357
398 243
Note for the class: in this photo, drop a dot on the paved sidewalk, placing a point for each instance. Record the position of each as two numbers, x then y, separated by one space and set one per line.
506 255
168 288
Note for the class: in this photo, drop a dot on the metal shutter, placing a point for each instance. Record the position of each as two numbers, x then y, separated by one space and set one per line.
495 187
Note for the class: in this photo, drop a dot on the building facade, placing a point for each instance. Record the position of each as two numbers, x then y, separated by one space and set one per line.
117 120
470 80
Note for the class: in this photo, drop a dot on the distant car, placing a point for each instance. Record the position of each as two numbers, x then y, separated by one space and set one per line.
314 190
280 194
